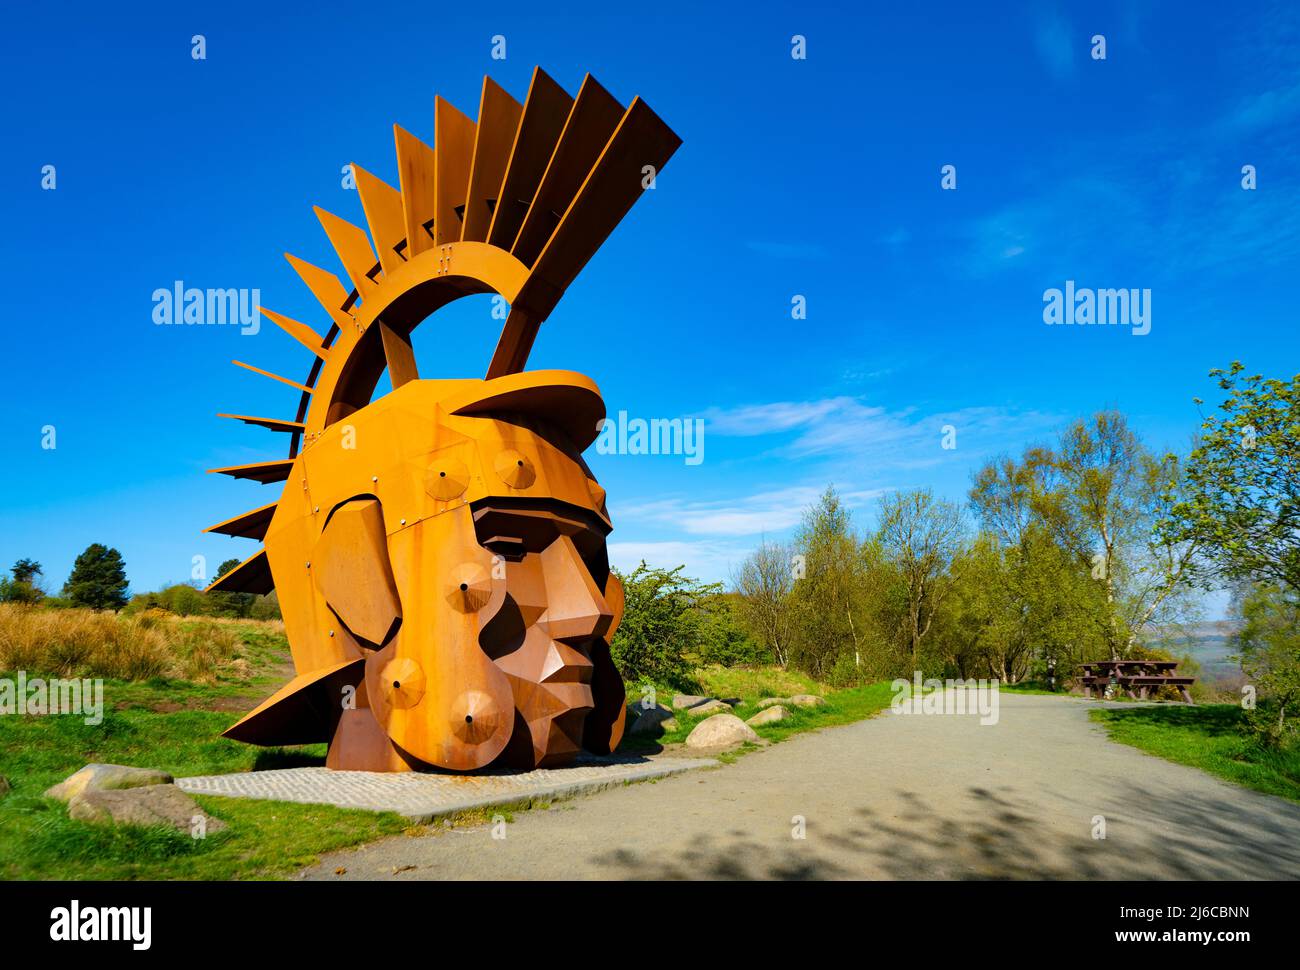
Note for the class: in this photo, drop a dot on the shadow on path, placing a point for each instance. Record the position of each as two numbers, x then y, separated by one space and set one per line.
991 837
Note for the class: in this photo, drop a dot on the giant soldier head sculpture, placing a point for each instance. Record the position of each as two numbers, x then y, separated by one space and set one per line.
439 551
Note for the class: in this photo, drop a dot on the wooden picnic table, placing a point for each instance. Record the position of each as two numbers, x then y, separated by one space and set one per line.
1137 677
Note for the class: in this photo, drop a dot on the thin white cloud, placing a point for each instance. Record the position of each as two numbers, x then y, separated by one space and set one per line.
1262 110
855 434
705 560
752 515
778 416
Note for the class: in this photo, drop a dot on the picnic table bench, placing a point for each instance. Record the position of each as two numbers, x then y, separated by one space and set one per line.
1136 677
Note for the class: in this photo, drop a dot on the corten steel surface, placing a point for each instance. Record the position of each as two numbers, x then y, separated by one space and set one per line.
439 552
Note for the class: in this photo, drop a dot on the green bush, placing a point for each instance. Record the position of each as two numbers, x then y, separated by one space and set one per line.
721 639
660 626
184 600
1269 641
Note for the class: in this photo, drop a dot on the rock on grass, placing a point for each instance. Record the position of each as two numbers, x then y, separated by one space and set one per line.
683 701
150 805
655 720
106 778
720 731
808 700
769 715
710 706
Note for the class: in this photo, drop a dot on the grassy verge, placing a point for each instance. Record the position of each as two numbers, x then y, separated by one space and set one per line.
751 686
265 839
186 681
171 686
1206 737
755 683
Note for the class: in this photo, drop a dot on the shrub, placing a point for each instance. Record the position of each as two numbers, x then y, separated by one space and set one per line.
659 627
720 637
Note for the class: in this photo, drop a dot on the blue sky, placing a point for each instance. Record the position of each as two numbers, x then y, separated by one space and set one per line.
818 177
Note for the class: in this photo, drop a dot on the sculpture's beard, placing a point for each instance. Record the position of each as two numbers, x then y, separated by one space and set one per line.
551 683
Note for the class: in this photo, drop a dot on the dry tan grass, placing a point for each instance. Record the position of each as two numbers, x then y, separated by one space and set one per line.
88 643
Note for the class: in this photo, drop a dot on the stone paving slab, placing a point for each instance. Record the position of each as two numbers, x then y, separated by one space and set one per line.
420 797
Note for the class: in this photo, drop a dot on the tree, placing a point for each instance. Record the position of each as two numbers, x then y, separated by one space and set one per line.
1269 641
1098 495
971 633
1241 500
825 596
659 626
22 588
98 579
921 536
720 637
764 581
229 604
26 571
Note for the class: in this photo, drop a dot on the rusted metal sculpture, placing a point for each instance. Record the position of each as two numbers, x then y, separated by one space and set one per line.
439 551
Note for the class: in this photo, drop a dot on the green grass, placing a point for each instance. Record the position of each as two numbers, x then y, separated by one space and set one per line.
265 839
175 725
842 707
1208 737
755 682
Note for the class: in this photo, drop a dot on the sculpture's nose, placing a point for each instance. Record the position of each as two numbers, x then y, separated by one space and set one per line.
576 611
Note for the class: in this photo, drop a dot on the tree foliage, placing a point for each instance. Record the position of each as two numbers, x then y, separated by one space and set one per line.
659 627
1096 496
763 583
1241 502
98 579
22 587
922 538
829 567
1269 641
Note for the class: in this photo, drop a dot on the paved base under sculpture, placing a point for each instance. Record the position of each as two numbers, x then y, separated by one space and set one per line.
421 797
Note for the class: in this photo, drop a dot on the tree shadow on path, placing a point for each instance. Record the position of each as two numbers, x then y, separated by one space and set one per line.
995 835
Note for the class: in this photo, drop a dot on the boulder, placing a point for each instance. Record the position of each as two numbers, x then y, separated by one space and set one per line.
106 778
769 701
149 805
709 707
720 731
655 720
769 715
683 701
807 700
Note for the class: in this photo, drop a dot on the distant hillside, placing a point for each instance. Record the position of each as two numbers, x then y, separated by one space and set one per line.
1209 644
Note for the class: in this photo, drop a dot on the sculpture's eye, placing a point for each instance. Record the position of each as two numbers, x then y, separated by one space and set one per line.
469 587
515 469
447 478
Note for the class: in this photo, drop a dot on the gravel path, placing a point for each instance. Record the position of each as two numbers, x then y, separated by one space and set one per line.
895 797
